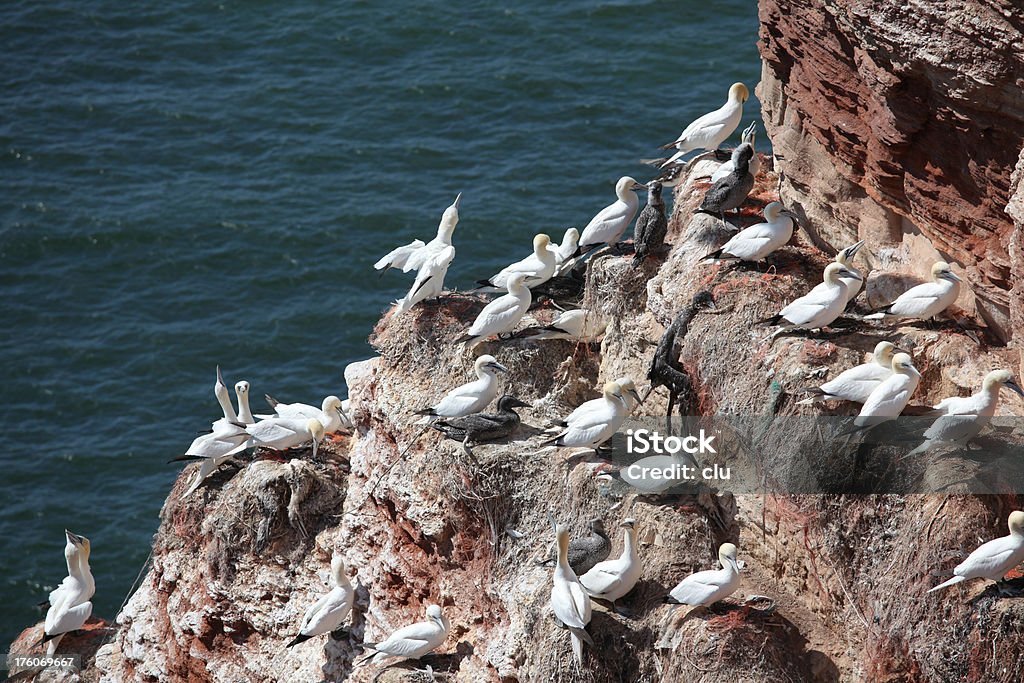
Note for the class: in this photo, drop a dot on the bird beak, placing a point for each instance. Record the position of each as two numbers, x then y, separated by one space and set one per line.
1015 387
849 273
74 538
516 403
497 366
646 394
852 250
626 525
952 276
638 186
220 378
734 564
636 395
457 201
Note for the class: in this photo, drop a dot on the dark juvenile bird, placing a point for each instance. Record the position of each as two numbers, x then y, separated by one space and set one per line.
651 226
731 191
585 552
473 429
666 370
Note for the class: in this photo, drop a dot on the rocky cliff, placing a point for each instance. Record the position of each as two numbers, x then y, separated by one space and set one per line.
843 575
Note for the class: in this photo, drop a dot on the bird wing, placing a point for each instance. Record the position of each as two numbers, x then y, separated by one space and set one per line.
696 589
857 383
460 400
602 577
705 129
396 258
992 560
812 307
917 300
273 432
327 613
888 399
584 410
411 641
298 411
69 619
501 315
608 225
569 602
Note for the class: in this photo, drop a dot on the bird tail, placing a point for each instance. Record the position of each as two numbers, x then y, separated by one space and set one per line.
186 457
578 637
817 396
298 639
654 162
947 584
669 600
464 338
426 411
553 440
51 646
773 320
879 313
715 255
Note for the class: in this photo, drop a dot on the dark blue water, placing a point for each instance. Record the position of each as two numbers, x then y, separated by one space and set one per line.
190 183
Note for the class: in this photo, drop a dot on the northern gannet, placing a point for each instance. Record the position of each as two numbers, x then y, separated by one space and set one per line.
629 392
727 167
611 222
278 433
712 129
213 450
330 412
412 642
471 397
244 413
595 421
888 399
71 602
925 301
731 191
994 559
587 551
473 429
416 253
708 587
565 251
243 416
327 613
651 225
611 580
429 282
758 241
819 307
569 599
844 258
220 390
501 315
963 419
538 267
857 383
578 324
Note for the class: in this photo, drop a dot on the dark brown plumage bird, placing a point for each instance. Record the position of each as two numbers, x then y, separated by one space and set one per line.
651 225
731 191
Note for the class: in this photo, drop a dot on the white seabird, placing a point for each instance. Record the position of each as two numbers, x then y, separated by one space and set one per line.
538 267
629 393
429 282
758 241
608 226
710 586
328 613
889 398
962 419
412 642
569 599
330 412
242 393
844 258
501 315
71 602
566 250
220 390
712 129
925 301
579 324
857 383
279 433
595 421
213 450
994 559
611 580
416 253
753 166
819 307
472 397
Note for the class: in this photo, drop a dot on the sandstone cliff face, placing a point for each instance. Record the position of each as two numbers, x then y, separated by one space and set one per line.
235 566
901 123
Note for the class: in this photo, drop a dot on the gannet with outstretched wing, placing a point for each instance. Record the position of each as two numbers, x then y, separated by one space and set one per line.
416 253
429 282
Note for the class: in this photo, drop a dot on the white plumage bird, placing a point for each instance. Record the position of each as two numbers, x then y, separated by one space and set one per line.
595 421
538 267
569 599
857 383
412 642
844 258
611 580
758 241
213 450
709 131
819 307
889 398
71 602
429 282
708 587
994 559
578 324
471 397
279 433
501 315
962 419
416 253
327 614
608 226
330 412
927 300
